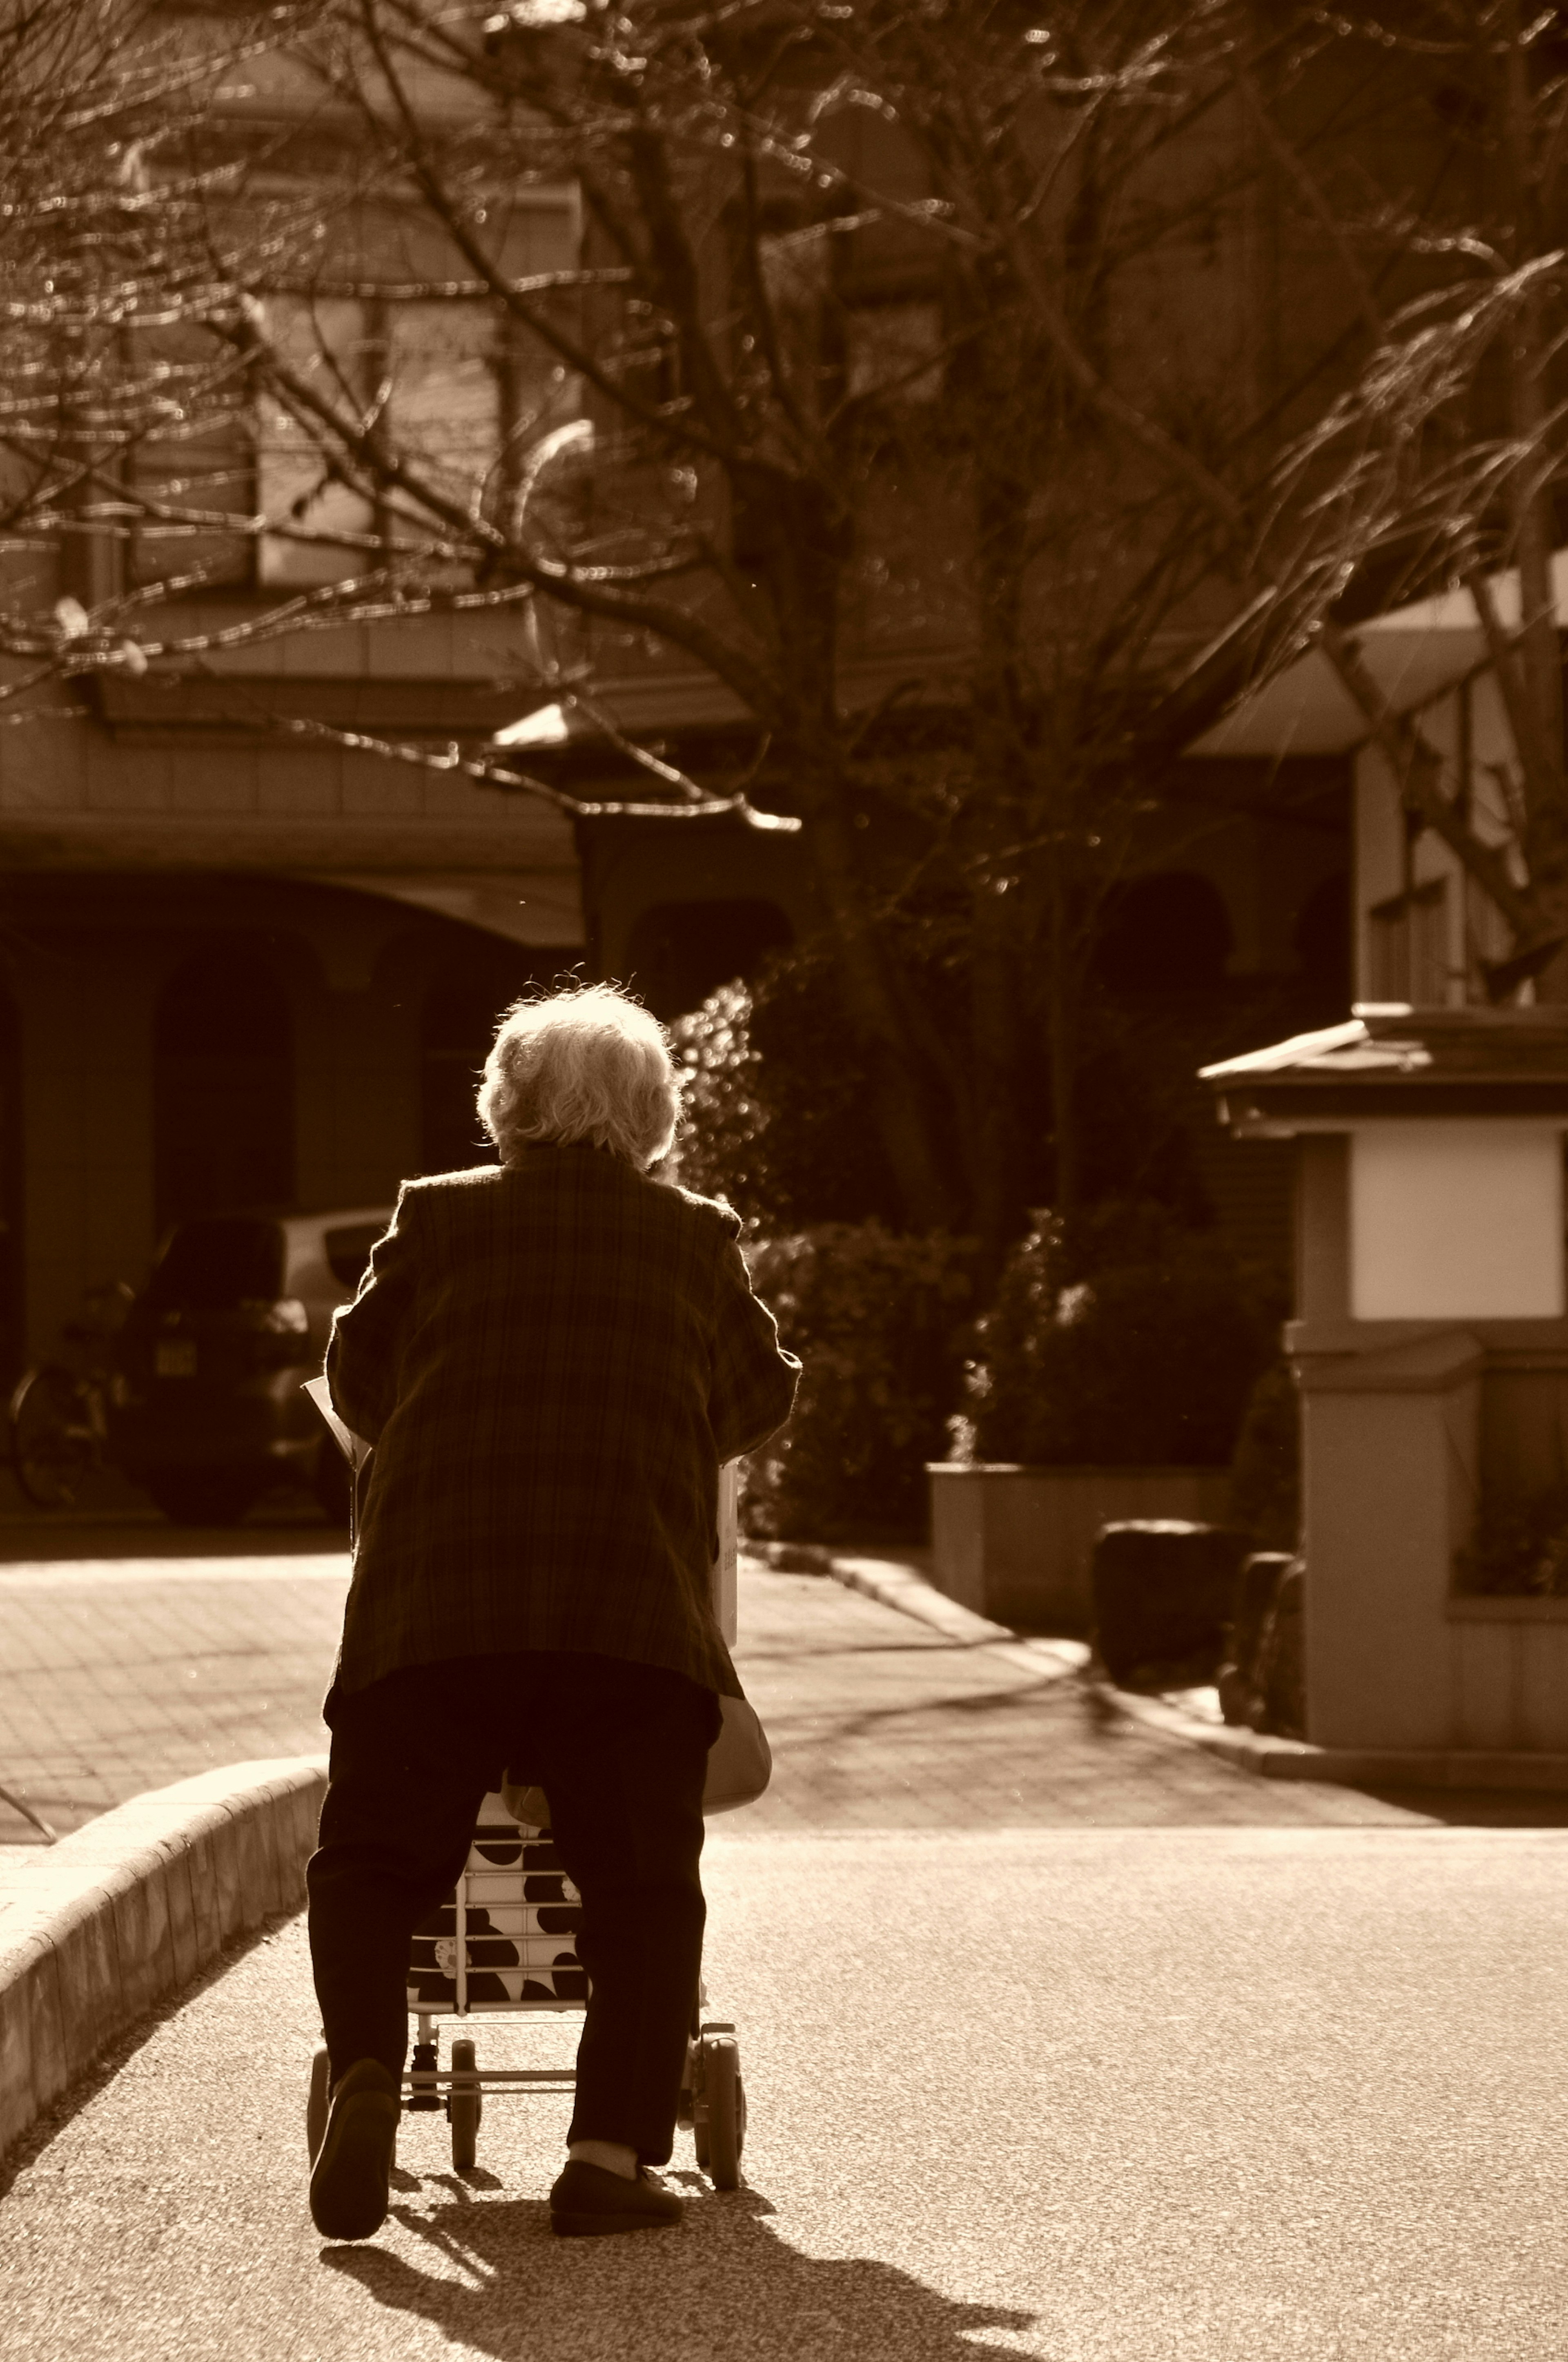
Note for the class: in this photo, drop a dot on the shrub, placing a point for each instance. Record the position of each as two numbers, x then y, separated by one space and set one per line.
776 1102
720 1147
1132 1342
1266 1478
1519 1548
880 1323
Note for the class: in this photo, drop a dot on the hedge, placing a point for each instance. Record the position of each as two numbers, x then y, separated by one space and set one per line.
880 1322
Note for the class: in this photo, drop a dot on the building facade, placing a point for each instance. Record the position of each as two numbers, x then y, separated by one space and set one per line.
257 926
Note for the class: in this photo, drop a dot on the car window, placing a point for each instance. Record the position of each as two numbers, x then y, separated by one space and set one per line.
348 1250
213 1262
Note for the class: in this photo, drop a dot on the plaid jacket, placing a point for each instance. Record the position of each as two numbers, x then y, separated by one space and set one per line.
552 1359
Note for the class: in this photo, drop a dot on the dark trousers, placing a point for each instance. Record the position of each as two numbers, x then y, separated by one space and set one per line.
622 1750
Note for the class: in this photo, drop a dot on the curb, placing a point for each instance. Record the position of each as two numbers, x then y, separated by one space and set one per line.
1345 1767
128 1910
1248 1751
896 1584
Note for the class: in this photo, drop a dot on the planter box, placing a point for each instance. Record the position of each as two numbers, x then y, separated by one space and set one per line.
1508 1674
1013 1542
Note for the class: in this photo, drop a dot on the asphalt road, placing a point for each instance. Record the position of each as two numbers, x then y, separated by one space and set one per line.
1061 2038
1205 2094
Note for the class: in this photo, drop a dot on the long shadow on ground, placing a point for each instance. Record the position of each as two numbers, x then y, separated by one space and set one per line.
723 2284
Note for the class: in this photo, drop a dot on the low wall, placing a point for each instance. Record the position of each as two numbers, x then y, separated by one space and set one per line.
95 1931
1508 1674
1013 1542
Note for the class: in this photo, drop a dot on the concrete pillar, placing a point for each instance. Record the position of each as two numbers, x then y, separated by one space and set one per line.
1390 1476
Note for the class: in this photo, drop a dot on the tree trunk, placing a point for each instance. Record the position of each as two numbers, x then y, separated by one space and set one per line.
803 547
1545 846
1061 972
1001 1113
904 1090
998 395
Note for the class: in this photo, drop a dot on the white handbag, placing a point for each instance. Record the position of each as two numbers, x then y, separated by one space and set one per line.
740 1761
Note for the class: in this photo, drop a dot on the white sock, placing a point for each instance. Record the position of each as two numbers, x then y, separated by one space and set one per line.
614 2156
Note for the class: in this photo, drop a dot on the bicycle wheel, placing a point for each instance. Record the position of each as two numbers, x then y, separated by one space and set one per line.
53 1449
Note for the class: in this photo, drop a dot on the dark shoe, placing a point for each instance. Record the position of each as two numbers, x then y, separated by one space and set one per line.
353 2164
587 2202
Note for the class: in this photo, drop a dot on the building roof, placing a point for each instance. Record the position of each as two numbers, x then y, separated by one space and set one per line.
1413 654
1389 1059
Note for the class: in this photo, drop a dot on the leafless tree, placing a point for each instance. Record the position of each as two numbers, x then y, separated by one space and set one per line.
899 392
1462 417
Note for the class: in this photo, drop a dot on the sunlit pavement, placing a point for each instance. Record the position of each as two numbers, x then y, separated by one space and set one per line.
1061 2038
1213 2094
132 1654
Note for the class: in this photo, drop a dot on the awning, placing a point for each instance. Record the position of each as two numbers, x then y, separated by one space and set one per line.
1392 1060
1413 654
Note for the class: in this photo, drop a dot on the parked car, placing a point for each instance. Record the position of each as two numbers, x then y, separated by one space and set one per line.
205 1406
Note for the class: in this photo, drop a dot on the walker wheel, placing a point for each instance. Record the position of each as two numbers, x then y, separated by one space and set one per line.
685 2110
466 2106
720 2140
317 2104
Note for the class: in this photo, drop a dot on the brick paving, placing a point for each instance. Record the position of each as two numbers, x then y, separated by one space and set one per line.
876 1721
121 1670
132 1654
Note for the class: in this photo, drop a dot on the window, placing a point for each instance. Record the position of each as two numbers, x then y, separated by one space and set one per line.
332 348
196 463
454 386
796 268
892 349
1409 947
434 372
834 329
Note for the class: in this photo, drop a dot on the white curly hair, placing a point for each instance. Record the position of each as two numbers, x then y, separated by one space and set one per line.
584 1064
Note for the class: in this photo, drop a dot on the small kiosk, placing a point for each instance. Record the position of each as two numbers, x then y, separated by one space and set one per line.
1430 1348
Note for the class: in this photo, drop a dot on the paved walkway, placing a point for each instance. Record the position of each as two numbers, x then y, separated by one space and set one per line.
121 1670
132 1654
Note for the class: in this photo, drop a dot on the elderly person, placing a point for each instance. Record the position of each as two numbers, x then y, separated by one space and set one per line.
551 1357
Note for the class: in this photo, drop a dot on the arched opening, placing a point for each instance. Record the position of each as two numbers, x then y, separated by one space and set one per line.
1167 933
680 952
12 1312
1321 942
464 999
223 1087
